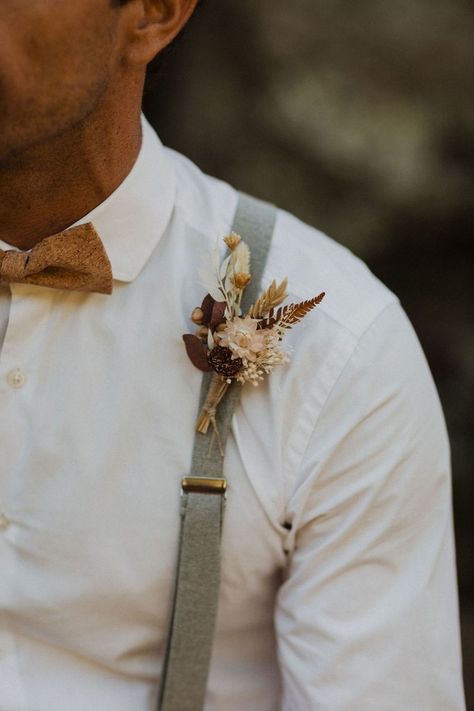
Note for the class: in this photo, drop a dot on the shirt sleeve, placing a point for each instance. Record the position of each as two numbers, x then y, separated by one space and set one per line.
367 616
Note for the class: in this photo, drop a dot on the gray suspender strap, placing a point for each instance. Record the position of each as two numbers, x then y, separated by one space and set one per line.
254 221
191 633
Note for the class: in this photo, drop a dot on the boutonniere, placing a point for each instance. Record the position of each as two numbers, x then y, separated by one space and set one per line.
235 346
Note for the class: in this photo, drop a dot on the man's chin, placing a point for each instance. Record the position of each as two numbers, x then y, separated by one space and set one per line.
9 149
19 136
13 147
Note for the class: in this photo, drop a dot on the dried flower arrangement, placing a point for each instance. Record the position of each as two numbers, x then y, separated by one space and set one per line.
238 347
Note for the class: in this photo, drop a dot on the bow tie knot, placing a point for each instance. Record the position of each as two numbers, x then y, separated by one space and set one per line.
73 259
12 265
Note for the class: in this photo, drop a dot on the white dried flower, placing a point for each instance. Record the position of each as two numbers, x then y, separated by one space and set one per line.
243 338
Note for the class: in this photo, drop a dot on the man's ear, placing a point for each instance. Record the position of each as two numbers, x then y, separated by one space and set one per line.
151 25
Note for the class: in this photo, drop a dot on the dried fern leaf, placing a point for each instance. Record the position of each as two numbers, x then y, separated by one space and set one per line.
270 298
295 312
287 316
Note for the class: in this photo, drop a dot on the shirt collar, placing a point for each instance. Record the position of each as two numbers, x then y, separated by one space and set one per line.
132 219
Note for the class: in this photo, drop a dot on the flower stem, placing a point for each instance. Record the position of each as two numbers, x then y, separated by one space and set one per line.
217 389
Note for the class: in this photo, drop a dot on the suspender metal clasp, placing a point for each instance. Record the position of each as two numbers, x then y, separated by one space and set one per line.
203 485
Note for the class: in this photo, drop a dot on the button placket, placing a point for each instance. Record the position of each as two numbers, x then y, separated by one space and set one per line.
24 338
27 325
17 344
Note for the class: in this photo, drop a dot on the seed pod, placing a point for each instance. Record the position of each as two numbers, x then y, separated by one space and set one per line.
197 315
202 332
220 359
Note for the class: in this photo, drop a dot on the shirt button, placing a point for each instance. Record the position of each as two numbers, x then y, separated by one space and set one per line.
16 378
4 522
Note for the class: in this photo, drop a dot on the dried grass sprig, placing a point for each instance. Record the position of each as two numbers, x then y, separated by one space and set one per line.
270 299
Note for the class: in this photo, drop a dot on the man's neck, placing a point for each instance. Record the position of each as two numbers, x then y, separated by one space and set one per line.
52 185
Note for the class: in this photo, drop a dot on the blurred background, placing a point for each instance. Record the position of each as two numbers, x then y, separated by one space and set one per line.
358 118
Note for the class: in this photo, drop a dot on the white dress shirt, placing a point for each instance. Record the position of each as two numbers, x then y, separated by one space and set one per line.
354 609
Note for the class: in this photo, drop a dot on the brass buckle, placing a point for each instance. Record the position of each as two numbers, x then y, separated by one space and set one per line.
203 485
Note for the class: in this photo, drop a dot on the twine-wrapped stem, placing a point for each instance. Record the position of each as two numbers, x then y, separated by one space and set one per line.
217 389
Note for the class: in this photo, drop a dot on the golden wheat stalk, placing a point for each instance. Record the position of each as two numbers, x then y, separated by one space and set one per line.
270 299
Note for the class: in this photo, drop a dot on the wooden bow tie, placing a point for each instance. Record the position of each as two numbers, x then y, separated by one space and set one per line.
74 259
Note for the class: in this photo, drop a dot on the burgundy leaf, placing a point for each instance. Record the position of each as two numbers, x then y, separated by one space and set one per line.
197 352
217 315
206 307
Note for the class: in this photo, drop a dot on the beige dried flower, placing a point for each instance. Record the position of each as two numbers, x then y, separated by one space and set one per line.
241 279
232 240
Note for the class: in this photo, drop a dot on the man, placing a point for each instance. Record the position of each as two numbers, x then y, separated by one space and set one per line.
338 587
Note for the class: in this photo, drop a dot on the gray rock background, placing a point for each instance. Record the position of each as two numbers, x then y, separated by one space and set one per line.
357 117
